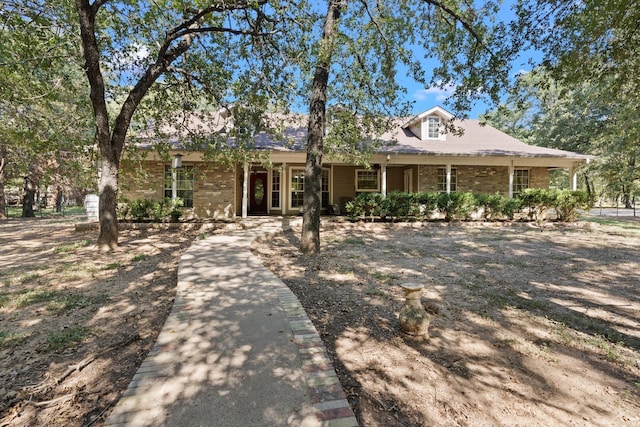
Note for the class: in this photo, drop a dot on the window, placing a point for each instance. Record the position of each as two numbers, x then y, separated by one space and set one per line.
520 181
275 189
297 188
325 188
433 128
367 180
184 184
442 180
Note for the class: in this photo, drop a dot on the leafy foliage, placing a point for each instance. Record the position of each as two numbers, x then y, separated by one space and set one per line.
532 204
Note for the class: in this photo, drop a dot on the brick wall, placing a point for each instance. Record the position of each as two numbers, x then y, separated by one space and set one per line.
480 179
213 192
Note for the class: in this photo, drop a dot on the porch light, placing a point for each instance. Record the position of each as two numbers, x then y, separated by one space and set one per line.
177 161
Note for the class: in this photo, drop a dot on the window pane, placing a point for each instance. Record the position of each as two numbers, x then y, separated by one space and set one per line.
367 180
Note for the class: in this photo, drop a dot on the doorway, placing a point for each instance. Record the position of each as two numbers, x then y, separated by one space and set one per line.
258 193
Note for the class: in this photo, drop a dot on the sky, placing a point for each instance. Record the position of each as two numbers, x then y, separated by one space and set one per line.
425 98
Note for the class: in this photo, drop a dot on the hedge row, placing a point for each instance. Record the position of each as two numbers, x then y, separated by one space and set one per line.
531 204
150 210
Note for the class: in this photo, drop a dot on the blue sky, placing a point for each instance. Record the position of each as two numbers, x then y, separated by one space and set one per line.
425 98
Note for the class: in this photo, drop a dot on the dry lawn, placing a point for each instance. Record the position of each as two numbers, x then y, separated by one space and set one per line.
530 326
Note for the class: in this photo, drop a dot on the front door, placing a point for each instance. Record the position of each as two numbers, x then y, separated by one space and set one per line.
258 193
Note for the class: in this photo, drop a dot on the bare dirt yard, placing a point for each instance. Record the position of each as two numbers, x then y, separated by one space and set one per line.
75 324
529 326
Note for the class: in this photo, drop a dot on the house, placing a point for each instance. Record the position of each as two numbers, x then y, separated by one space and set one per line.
424 158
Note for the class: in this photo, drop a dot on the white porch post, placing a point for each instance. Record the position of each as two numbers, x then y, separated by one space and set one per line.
284 188
174 184
573 172
448 178
511 173
384 180
245 190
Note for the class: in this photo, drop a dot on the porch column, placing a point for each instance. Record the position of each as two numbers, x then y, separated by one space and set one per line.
511 173
245 190
573 173
448 178
384 180
284 188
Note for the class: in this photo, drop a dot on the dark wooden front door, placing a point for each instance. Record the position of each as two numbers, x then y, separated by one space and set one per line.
258 193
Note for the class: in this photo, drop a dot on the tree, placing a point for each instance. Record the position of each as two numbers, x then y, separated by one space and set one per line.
365 43
591 50
40 89
223 38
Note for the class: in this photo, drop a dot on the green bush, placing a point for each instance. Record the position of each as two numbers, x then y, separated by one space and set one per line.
149 210
399 205
456 206
365 205
537 201
566 203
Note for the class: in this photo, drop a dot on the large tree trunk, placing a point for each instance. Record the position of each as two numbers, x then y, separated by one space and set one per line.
111 142
3 200
310 239
108 200
28 199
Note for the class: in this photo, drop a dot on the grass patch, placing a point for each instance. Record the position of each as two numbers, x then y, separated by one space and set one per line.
25 299
16 212
11 339
67 337
71 246
140 257
30 277
354 241
73 301
623 224
112 266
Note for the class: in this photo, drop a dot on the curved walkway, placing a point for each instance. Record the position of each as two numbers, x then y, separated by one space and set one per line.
237 349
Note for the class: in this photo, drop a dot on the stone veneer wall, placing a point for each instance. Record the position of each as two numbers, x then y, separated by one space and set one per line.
481 179
213 192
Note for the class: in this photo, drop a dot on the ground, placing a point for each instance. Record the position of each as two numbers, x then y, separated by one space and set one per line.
529 326
76 324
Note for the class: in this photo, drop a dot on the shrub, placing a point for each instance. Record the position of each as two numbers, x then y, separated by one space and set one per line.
149 210
401 205
365 205
456 206
566 203
537 201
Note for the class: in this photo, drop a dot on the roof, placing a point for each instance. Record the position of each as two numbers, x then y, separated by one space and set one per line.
476 139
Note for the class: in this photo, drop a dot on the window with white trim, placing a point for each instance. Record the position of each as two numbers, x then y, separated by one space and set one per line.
520 181
433 127
184 184
297 188
367 180
275 189
442 180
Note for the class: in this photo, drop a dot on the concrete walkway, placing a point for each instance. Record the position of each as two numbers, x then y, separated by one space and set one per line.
236 350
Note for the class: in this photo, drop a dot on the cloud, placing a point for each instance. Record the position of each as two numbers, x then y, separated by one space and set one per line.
440 94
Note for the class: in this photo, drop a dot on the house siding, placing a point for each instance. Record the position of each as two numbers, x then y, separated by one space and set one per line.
343 185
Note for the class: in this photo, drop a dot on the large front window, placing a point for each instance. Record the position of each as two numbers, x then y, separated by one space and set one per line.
442 180
520 181
184 184
297 188
367 180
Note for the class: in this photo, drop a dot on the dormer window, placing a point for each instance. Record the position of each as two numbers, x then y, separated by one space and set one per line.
433 127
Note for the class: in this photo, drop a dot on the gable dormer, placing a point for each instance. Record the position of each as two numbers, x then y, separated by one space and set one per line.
429 126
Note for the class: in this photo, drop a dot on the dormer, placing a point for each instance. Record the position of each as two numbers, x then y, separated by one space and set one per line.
430 125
